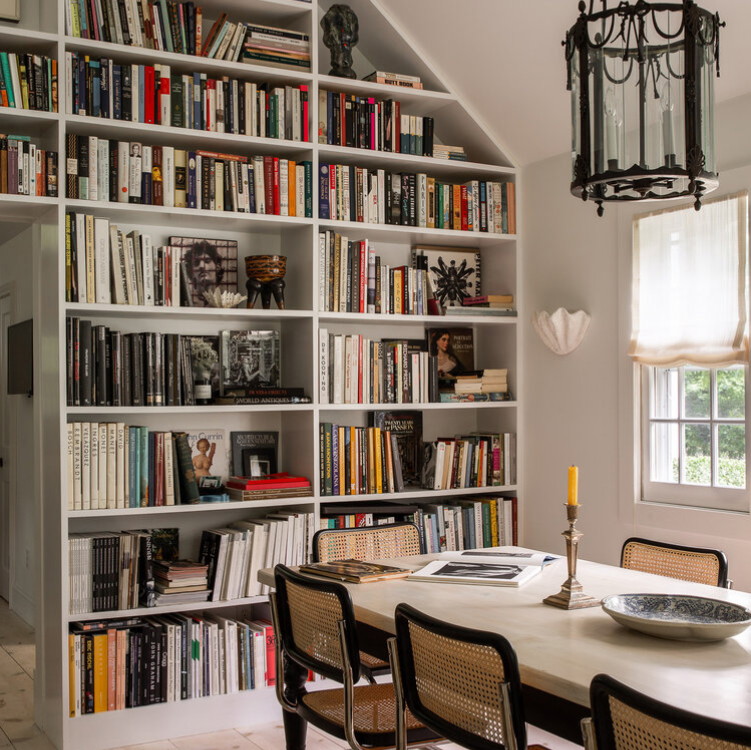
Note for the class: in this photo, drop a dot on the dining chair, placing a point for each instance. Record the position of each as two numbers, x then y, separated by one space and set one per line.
697 564
462 683
368 543
624 719
315 627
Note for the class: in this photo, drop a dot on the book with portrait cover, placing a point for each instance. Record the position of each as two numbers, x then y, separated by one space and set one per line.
407 427
207 263
454 352
454 272
249 359
208 451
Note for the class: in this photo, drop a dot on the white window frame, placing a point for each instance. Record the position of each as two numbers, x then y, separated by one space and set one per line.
690 495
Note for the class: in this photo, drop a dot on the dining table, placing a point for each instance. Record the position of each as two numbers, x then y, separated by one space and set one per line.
560 651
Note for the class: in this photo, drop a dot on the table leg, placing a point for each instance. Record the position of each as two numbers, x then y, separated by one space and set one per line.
295 727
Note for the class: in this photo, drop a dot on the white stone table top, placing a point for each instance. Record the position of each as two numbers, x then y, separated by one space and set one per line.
560 651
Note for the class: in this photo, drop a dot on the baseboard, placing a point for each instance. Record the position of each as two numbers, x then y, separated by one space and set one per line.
22 604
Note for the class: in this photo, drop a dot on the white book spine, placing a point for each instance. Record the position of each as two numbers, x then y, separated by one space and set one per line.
322 277
77 481
123 171
299 190
169 470
130 269
323 366
94 465
111 465
103 170
337 362
283 187
102 259
94 168
174 266
102 471
120 465
168 175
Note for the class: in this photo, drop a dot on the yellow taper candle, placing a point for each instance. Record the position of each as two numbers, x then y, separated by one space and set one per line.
573 485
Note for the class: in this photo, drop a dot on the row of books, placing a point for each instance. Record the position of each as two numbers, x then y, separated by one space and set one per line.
355 369
279 48
352 278
105 265
171 26
378 125
483 381
132 172
140 661
25 168
235 553
28 81
115 465
153 94
477 460
375 196
359 460
445 526
106 367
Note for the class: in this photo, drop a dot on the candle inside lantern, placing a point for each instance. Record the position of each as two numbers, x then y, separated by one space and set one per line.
573 485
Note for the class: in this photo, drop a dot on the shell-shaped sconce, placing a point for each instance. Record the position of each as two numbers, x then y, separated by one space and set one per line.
561 331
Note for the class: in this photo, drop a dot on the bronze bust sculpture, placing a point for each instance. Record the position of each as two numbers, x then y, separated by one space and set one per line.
340 34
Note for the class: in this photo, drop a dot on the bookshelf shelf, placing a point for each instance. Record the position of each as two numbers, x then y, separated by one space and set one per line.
186 138
497 338
407 234
125 53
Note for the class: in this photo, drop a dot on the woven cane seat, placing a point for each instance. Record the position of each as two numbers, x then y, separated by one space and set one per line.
374 714
368 661
367 543
624 719
675 561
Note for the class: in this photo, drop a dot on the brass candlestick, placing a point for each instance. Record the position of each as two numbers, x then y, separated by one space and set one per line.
571 595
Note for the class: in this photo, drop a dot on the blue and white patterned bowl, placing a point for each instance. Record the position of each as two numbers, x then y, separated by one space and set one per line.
678 616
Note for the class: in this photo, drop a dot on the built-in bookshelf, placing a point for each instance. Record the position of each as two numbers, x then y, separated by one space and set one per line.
367 165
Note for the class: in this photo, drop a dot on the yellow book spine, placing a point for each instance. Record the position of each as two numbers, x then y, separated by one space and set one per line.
73 665
100 672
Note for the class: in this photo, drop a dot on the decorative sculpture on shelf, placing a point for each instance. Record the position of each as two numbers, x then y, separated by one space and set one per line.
340 34
561 331
265 277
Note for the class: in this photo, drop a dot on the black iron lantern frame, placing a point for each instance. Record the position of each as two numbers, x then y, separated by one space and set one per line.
635 72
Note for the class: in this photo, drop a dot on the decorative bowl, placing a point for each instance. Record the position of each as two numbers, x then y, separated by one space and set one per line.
679 617
265 268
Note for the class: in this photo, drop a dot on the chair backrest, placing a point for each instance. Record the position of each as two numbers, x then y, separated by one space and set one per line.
625 719
308 611
452 681
367 543
697 564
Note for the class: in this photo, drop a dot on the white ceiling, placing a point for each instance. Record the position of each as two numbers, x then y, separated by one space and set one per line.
506 59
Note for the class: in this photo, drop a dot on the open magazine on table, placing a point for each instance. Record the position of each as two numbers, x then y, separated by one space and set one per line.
496 567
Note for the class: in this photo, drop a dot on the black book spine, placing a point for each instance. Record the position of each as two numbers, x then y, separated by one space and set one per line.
127 93
116 368
76 347
87 673
146 584
113 170
148 369
134 637
104 88
69 361
71 165
124 22
412 178
85 362
169 366
427 136
117 92
404 208
159 369
127 370
136 354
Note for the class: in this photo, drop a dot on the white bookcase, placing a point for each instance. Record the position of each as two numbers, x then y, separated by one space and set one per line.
497 340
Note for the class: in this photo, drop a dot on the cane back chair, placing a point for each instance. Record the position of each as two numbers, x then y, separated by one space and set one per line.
368 543
315 627
462 683
697 564
624 719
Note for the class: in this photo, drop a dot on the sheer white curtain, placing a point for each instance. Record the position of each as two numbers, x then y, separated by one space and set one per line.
689 285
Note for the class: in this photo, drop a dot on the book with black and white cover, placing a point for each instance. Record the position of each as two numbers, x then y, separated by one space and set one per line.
249 359
496 567
210 264
454 272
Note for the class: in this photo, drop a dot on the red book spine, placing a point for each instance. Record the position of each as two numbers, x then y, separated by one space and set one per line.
157 184
199 30
397 128
149 85
210 86
363 274
373 125
277 195
268 180
305 113
270 655
163 110
465 219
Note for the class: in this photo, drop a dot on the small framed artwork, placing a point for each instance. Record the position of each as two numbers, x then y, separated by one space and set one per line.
10 10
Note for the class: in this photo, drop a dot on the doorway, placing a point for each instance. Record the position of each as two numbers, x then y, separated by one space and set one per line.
7 418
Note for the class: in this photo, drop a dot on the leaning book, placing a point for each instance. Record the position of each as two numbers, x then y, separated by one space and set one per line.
355 571
488 569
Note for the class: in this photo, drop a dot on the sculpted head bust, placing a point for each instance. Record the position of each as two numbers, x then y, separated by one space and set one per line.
340 34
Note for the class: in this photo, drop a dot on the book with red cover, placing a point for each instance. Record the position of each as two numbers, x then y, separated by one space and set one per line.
149 86
270 481
268 183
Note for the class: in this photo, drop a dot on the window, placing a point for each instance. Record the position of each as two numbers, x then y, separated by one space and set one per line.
690 338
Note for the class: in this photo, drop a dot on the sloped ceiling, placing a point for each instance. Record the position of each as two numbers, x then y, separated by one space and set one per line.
506 58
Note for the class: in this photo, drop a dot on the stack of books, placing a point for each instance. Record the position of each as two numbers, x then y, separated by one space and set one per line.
479 385
278 48
394 79
269 486
180 582
487 304
454 153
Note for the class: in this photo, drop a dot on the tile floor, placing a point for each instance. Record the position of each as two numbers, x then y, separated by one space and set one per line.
17 729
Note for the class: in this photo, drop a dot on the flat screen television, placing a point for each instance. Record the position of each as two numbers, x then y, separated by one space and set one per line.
21 357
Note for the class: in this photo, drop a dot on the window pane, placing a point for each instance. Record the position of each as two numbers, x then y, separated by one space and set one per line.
731 450
664 458
731 393
696 385
697 454
664 402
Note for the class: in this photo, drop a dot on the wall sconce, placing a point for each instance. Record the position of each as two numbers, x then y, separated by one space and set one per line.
561 331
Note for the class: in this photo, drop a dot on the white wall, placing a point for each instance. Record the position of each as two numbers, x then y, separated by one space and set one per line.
16 266
579 408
